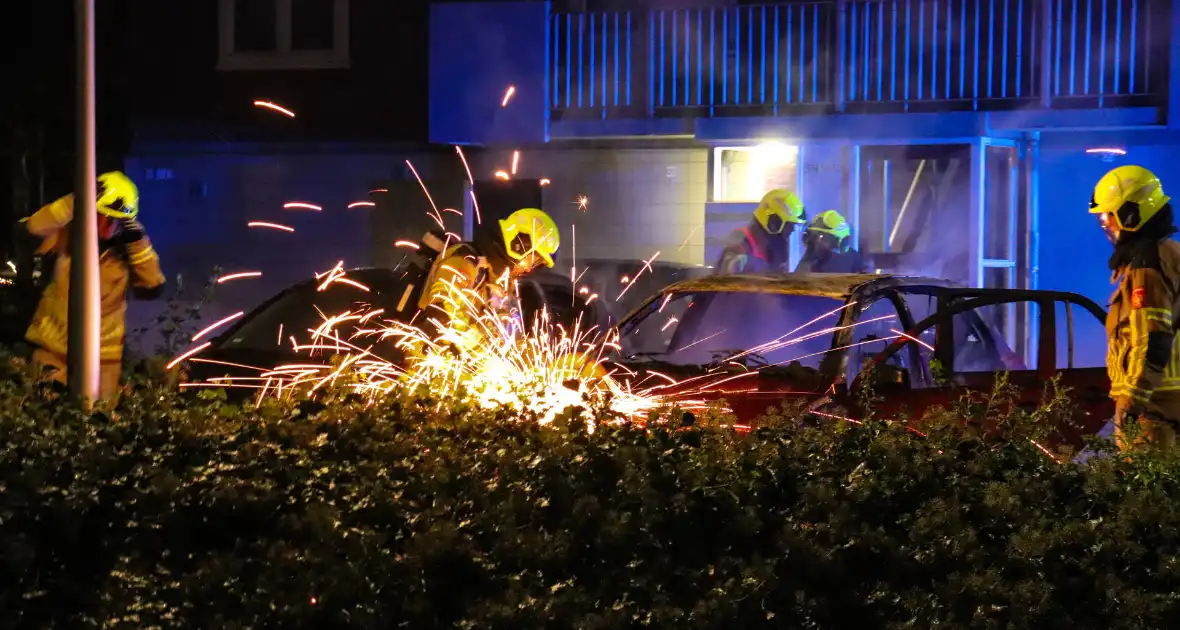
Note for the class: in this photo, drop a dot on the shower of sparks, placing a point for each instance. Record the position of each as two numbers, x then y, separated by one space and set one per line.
271 226
180 359
362 204
515 161
501 175
300 205
218 324
490 360
271 106
238 276
507 95
471 180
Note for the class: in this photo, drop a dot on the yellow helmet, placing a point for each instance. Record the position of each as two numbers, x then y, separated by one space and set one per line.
832 224
118 197
1130 196
778 208
530 230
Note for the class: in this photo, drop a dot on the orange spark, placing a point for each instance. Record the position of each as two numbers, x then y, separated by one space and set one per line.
217 324
377 190
292 205
353 283
236 276
911 338
362 204
507 95
272 106
424 190
501 175
515 161
544 181
410 244
582 202
180 359
474 203
273 226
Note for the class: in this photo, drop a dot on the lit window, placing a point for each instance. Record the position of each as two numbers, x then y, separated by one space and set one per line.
747 173
283 34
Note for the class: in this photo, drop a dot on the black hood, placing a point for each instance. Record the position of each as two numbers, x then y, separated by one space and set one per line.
1140 248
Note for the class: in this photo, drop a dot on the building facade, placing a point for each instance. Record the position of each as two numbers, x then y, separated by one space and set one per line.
960 138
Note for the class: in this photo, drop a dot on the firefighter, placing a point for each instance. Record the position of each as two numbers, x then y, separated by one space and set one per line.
126 260
488 266
1142 357
761 246
828 246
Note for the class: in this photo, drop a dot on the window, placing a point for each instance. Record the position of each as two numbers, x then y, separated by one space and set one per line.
283 34
1087 333
979 345
295 314
747 173
873 332
708 327
920 305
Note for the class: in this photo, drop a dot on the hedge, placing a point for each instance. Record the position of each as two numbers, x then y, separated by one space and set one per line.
178 510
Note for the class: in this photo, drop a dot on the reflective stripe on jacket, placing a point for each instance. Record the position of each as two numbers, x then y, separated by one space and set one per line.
743 255
1143 358
135 266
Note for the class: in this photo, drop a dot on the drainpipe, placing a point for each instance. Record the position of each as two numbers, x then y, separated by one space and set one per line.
1046 53
841 45
1174 60
1030 185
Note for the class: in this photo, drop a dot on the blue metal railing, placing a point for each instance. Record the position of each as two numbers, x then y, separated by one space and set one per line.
941 50
1108 48
594 59
858 53
761 56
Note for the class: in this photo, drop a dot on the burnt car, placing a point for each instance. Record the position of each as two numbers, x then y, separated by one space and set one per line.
262 338
818 336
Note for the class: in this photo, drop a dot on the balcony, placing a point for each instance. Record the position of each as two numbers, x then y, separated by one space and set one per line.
858 56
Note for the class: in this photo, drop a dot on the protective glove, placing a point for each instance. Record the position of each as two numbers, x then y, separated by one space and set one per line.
131 231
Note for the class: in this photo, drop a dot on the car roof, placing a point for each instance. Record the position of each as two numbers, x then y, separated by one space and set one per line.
832 285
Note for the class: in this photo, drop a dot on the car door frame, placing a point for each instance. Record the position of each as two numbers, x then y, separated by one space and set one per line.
962 300
837 371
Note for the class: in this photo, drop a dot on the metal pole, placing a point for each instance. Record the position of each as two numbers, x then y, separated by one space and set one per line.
83 356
